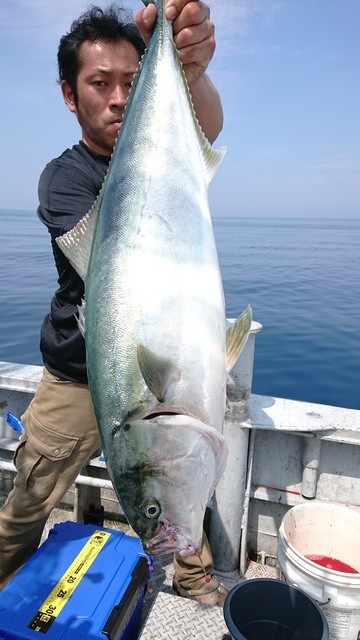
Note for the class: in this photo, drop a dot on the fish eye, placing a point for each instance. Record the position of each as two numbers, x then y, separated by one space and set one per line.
151 509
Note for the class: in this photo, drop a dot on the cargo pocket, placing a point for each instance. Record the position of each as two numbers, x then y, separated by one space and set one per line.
41 457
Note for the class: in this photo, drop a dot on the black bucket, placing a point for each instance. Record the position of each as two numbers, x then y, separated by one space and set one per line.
266 609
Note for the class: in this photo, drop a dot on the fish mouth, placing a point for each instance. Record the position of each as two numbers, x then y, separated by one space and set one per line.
169 538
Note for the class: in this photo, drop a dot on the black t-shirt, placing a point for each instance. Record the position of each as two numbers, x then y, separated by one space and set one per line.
68 187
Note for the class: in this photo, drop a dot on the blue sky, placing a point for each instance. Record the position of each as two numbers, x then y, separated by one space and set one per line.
288 74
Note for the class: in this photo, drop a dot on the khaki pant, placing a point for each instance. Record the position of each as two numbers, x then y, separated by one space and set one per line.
61 435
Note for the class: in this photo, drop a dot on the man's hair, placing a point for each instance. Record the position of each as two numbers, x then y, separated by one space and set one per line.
109 25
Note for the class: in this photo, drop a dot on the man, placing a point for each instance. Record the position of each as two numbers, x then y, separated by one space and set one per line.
97 60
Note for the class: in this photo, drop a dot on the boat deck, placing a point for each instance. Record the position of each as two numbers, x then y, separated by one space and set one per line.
167 615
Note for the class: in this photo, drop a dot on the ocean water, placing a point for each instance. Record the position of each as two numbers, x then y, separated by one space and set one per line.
301 277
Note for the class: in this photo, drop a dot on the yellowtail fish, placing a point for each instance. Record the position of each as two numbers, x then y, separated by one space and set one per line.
154 320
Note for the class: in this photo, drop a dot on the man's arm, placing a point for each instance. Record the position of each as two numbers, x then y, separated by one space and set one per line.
194 39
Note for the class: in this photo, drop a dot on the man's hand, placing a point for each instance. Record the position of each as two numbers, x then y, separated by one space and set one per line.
195 42
193 33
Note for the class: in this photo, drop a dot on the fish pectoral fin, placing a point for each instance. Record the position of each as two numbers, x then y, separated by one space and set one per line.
236 337
76 243
159 373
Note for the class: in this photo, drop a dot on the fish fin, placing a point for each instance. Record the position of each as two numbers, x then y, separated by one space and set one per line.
236 337
211 157
159 373
76 243
212 160
80 319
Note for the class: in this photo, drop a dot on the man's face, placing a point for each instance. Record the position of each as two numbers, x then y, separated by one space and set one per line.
103 84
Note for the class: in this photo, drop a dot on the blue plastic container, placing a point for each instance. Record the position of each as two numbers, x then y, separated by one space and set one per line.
85 583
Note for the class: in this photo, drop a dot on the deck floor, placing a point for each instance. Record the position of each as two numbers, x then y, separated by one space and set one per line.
167 616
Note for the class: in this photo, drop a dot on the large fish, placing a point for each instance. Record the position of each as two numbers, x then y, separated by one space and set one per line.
154 318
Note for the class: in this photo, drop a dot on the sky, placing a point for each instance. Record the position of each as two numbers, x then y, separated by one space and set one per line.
288 72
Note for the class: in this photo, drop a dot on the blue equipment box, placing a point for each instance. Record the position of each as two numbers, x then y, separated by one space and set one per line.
84 583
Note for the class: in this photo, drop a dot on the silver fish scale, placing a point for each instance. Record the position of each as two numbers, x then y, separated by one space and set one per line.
173 617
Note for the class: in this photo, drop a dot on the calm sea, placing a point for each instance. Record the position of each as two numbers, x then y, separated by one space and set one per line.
302 278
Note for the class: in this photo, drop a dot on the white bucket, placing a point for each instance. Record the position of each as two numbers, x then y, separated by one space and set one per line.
332 531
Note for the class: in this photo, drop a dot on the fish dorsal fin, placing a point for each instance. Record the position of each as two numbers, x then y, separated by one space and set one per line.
76 243
159 373
236 337
211 157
